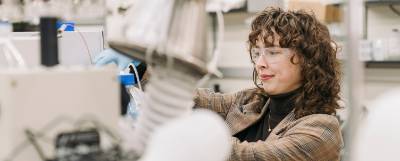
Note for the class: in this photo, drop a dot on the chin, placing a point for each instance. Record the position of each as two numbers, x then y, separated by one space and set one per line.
269 91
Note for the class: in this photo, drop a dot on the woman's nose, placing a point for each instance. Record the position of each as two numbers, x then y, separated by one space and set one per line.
261 63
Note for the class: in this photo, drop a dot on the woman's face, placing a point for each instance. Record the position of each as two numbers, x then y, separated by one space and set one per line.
275 69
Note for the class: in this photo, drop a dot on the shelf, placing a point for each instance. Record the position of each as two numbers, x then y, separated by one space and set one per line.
382 2
382 64
371 2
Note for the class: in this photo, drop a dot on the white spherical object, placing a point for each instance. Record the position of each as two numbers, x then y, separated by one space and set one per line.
202 136
378 137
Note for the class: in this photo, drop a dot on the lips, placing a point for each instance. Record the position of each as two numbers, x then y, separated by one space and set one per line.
265 77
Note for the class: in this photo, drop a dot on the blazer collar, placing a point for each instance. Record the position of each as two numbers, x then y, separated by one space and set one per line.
281 125
240 121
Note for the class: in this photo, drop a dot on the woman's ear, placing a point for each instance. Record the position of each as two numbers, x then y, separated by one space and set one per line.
295 58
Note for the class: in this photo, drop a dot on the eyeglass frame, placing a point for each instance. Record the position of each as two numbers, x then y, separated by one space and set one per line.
286 51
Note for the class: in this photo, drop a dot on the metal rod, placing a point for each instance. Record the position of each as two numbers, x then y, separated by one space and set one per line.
354 72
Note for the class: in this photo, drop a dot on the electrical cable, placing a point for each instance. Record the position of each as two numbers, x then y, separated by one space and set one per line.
212 65
62 29
12 53
395 10
137 77
24 143
17 55
86 45
8 56
221 31
31 138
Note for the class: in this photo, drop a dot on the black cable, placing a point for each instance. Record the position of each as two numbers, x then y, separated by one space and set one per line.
141 69
125 99
394 9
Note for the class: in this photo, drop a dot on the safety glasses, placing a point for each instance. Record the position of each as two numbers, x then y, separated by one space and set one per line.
270 55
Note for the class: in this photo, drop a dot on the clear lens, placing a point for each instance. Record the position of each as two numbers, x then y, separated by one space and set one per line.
270 55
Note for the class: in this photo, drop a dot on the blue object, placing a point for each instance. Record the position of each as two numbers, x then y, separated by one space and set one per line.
69 25
127 79
136 62
111 56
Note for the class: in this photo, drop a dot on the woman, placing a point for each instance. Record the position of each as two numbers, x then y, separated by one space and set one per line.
291 113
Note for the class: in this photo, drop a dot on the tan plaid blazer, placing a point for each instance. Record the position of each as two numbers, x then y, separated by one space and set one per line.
310 138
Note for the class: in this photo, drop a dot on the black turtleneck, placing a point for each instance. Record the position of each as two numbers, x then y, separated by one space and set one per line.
279 107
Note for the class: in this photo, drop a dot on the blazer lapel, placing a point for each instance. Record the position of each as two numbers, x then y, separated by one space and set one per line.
240 119
281 127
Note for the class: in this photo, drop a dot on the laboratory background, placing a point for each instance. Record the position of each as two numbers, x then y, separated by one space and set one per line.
115 80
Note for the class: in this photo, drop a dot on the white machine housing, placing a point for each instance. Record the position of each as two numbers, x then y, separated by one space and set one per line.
74 47
33 98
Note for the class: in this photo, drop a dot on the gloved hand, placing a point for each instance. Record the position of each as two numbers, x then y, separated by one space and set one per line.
111 56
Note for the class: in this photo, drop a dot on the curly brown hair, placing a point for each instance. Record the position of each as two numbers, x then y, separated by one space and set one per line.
320 69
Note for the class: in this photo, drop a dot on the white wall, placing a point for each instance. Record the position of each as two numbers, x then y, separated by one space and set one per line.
234 49
381 21
378 81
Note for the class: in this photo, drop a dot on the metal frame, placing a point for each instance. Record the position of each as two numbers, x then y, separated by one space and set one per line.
354 70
